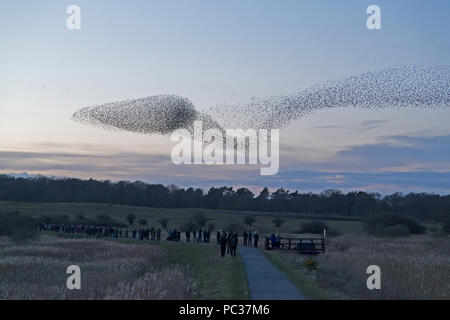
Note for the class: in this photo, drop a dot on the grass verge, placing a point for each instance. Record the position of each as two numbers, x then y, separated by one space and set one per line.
217 278
302 279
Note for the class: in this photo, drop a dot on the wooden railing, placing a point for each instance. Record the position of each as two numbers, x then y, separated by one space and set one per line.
309 245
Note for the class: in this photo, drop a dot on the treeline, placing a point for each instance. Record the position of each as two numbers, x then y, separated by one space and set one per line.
421 206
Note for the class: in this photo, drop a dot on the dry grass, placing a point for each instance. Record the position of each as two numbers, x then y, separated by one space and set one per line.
417 267
109 270
411 268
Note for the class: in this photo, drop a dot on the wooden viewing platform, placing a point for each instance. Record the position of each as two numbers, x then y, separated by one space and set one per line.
307 245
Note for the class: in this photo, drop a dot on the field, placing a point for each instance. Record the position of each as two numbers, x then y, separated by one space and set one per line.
220 218
113 270
414 267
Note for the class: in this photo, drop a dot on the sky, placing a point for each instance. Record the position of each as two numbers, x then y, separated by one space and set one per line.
220 52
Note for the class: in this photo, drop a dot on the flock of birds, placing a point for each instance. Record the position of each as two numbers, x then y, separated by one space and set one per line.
396 87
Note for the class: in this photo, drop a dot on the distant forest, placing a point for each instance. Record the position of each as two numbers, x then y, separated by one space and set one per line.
422 206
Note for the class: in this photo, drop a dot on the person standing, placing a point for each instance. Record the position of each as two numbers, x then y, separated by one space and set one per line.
188 236
158 234
249 241
218 237
234 243
256 238
200 236
245 236
223 244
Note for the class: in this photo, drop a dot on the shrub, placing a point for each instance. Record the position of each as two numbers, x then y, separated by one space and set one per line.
163 222
392 224
130 218
190 225
17 226
200 219
249 220
311 264
278 222
142 222
313 227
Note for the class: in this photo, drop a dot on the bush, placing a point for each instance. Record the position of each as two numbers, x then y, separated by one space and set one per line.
311 264
392 224
278 222
163 222
17 226
313 227
142 222
200 219
249 220
130 218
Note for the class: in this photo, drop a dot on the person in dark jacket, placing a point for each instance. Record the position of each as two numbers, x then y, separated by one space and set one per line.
234 243
245 236
255 239
188 235
223 244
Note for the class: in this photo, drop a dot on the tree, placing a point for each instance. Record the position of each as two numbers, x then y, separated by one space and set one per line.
249 220
200 219
262 201
278 222
163 222
130 218
421 206
142 222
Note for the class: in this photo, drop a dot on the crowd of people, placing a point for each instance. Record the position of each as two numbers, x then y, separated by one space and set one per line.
272 242
250 239
102 231
227 241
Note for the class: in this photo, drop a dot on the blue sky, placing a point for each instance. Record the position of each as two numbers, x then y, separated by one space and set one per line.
217 52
